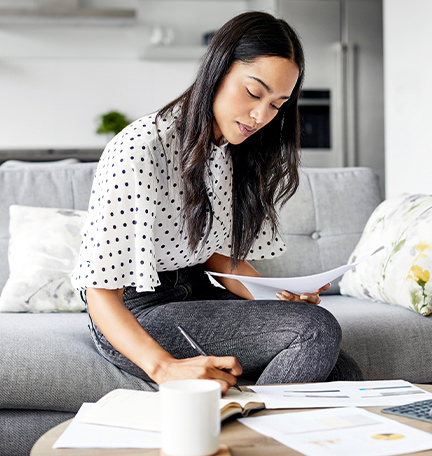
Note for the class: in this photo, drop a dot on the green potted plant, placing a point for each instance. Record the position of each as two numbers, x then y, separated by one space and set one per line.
112 123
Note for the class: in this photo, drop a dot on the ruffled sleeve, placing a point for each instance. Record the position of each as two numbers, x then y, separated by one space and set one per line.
118 241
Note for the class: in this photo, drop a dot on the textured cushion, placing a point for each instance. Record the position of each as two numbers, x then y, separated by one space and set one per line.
43 250
388 342
22 428
401 274
323 221
48 362
321 224
41 186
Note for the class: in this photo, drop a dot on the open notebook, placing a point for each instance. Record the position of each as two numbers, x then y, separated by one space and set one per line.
140 409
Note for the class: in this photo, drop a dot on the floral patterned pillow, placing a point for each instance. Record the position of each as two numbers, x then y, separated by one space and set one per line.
400 274
43 250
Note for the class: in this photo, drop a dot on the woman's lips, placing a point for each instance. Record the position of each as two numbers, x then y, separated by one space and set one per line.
245 130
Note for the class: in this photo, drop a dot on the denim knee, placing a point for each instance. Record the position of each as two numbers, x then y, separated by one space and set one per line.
325 329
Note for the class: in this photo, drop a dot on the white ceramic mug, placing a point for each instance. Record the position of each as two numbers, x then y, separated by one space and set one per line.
190 417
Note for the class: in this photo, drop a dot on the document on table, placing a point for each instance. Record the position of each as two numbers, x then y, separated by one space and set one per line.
133 409
340 432
341 394
81 435
267 287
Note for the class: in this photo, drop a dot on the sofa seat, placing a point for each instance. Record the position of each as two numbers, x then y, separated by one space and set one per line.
49 366
56 353
51 363
387 341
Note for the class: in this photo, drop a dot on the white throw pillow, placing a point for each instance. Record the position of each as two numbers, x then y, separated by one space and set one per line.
401 274
43 250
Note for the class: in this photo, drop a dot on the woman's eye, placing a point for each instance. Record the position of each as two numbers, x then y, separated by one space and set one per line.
251 94
275 107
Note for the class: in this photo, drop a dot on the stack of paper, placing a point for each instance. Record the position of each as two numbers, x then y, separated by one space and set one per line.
130 419
341 432
341 394
267 287
82 435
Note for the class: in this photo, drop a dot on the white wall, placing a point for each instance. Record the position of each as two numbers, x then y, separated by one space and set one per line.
58 76
408 96
50 104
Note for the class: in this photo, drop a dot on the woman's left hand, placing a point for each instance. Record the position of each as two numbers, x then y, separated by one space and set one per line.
304 297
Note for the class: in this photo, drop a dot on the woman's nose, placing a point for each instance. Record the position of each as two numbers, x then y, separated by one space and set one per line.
259 115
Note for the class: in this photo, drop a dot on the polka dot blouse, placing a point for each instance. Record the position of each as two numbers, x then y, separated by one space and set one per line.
133 228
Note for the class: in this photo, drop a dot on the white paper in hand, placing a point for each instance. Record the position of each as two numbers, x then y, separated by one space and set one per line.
267 287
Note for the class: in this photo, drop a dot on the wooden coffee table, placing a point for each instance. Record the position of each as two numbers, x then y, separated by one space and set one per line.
240 440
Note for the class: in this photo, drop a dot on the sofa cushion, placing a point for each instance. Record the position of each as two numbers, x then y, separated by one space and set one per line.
42 186
20 429
323 221
43 250
48 362
320 225
401 274
388 342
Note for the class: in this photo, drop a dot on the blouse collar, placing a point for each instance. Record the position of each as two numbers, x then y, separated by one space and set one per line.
223 147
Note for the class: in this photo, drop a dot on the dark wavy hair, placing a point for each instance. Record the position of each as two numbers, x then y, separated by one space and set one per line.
265 165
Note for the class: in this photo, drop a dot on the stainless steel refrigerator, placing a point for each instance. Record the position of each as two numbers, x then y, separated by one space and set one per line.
342 104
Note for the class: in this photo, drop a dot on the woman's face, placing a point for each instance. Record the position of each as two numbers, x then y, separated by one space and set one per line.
250 95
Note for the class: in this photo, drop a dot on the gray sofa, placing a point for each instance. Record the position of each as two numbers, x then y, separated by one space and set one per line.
48 365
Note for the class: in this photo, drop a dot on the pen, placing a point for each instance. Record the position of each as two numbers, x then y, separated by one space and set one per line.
197 347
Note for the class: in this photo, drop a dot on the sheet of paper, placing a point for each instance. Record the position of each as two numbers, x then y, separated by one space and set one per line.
132 409
267 287
341 394
81 435
341 432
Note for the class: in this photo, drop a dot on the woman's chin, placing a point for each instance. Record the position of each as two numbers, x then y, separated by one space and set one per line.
235 139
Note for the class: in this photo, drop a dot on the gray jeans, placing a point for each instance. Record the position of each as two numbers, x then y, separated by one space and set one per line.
274 341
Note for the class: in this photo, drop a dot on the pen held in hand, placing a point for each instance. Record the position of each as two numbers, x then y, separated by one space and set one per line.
197 347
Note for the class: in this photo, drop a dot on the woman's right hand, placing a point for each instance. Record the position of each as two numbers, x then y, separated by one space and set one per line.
126 335
223 369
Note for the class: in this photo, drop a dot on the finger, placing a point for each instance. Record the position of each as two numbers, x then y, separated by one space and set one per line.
287 296
324 288
222 376
205 367
223 368
304 297
311 297
228 363
225 379
224 386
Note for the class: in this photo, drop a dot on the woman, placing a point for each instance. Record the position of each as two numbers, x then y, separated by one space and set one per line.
195 187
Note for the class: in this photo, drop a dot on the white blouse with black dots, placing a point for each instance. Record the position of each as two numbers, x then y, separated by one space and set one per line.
133 229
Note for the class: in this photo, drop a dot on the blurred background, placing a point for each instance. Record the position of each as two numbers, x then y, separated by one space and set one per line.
66 63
